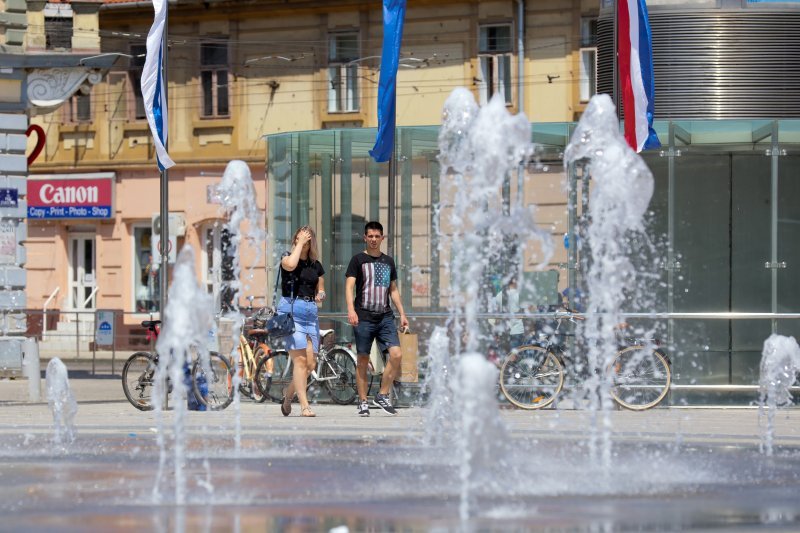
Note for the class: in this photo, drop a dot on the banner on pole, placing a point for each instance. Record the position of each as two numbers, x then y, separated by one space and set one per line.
394 14
635 64
153 85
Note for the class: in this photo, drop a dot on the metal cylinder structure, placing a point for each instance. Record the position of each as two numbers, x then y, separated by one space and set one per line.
714 63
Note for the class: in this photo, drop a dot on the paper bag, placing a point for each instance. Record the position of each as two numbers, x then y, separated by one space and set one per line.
376 359
409 345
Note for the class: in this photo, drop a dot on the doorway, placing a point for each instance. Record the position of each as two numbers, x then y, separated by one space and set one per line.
82 272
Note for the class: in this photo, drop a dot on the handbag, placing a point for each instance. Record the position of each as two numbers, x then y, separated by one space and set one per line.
280 324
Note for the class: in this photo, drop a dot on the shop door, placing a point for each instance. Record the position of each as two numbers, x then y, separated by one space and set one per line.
82 272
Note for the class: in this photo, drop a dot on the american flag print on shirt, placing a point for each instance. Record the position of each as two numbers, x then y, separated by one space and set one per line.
375 294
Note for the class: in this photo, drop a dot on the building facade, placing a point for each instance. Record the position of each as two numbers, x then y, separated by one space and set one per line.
239 70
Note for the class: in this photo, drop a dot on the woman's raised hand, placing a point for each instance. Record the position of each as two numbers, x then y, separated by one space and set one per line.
303 237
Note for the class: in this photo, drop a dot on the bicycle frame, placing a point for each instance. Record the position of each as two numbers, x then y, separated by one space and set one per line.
322 360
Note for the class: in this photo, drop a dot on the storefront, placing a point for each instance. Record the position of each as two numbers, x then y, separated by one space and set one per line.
93 241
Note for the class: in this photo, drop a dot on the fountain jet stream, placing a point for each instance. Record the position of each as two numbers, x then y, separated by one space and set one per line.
187 321
479 149
622 186
780 364
237 196
61 401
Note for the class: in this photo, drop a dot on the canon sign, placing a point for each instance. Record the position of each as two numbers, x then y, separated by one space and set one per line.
50 194
70 198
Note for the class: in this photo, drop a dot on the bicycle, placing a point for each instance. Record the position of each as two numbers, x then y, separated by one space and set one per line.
210 386
336 370
532 376
252 349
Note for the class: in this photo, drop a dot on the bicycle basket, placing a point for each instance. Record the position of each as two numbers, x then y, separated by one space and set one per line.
328 340
261 316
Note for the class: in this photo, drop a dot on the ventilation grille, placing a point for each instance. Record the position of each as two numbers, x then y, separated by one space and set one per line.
718 64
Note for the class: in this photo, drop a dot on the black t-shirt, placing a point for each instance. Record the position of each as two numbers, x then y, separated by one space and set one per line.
302 281
374 276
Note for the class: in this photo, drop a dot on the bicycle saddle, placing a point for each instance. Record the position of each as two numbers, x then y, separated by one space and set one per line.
324 332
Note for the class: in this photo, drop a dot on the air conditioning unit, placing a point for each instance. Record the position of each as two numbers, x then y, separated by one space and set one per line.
177 224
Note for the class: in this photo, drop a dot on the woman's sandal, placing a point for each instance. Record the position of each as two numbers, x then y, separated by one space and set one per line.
286 405
307 412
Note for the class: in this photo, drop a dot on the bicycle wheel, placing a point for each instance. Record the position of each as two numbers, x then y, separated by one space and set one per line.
531 377
213 387
139 380
261 382
277 365
340 373
641 377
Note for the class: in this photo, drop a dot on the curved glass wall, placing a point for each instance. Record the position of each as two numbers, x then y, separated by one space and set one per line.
724 213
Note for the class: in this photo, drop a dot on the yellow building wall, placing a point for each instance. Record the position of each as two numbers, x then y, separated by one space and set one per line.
278 83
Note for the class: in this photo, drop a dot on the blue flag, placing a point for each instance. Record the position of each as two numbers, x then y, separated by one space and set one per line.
394 13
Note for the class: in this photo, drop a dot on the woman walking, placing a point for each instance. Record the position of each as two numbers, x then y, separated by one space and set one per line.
302 287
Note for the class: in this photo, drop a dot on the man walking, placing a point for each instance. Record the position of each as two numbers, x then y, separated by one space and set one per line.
371 281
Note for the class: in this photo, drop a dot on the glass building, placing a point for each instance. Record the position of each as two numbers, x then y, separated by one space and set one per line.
724 215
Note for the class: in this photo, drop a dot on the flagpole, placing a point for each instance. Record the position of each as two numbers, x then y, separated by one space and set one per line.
164 186
392 198
614 66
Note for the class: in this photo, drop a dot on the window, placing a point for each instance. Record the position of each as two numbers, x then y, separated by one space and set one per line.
588 67
494 57
214 79
138 51
145 283
78 108
342 73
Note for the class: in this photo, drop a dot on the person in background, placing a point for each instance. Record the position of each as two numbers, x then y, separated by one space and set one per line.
507 301
370 284
302 287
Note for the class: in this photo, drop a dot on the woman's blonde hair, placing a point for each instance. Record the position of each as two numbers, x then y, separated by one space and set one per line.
313 253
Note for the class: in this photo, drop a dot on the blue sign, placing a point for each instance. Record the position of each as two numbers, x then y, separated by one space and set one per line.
72 211
104 332
9 198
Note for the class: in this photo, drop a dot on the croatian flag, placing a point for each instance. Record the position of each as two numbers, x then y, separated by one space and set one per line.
375 294
394 13
155 102
635 61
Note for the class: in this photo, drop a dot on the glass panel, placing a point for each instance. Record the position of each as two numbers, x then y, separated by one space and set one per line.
212 54
88 256
702 284
75 258
84 109
588 79
136 85
504 77
343 47
206 80
484 79
352 88
334 84
222 92
145 283
751 285
139 52
495 39
58 33
789 241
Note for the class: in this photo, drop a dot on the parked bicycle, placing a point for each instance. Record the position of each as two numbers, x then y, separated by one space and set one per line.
252 349
336 371
210 386
532 376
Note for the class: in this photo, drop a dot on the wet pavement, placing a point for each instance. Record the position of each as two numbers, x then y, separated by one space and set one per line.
671 469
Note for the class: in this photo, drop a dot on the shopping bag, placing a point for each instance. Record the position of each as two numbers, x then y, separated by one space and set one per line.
376 359
409 346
